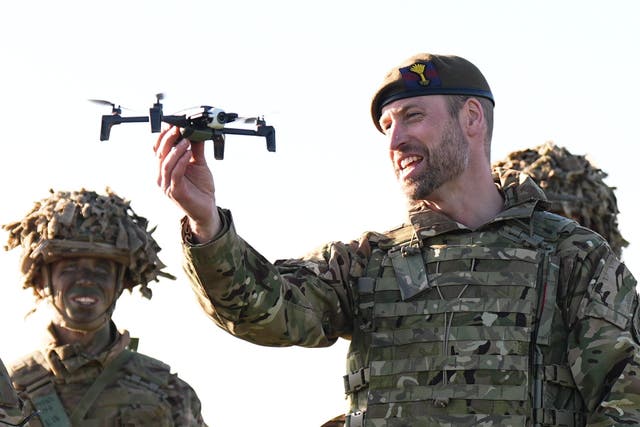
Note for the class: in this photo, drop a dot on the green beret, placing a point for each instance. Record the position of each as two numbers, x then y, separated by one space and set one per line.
427 74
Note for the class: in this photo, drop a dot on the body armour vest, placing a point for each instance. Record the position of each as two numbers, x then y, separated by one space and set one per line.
463 329
129 395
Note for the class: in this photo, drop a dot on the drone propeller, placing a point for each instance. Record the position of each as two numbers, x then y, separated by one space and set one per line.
114 109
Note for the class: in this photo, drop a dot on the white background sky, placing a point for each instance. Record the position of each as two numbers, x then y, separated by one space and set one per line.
563 71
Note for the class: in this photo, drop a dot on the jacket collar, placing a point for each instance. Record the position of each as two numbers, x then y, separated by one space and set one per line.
522 197
67 360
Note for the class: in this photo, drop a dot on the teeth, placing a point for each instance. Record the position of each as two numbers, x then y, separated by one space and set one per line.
408 160
85 300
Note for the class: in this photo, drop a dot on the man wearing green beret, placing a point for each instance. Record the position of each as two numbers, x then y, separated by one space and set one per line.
482 309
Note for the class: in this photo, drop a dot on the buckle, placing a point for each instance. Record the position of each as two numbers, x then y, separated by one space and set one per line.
355 419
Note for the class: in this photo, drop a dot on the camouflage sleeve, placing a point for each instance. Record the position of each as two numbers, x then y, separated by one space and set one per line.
305 302
603 319
11 410
185 404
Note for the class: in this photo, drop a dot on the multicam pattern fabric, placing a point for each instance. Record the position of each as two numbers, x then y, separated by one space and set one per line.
10 404
143 392
528 319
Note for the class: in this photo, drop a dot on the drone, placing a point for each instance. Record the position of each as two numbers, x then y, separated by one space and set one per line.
199 124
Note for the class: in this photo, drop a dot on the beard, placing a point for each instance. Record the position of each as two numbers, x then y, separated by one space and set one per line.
443 163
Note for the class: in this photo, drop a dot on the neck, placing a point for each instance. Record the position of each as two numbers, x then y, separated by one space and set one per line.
473 199
93 342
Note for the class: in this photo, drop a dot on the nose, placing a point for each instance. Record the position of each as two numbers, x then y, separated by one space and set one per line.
396 135
85 278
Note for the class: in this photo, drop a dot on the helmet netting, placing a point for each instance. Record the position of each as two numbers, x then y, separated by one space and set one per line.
90 219
574 186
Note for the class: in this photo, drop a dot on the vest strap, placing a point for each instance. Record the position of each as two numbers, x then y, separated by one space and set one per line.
105 378
45 400
559 375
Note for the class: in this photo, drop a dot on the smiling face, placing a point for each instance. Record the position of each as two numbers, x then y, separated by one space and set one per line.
426 145
83 288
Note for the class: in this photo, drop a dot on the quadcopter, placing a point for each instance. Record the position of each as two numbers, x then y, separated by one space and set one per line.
199 124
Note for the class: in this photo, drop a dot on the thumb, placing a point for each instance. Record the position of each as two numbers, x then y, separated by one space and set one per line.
197 151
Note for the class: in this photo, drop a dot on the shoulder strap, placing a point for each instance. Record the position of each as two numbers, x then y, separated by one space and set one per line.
98 385
30 377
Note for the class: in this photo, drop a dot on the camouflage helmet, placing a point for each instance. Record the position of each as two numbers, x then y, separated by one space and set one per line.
85 223
574 186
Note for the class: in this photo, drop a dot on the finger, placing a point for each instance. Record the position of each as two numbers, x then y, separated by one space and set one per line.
167 143
166 170
174 186
159 139
162 148
166 140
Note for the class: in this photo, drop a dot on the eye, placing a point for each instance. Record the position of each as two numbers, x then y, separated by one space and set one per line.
69 267
385 125
413 115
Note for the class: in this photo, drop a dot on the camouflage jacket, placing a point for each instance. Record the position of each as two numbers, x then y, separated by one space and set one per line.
312 301
10 404
141 392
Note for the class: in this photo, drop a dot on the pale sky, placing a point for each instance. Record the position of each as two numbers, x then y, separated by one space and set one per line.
562 71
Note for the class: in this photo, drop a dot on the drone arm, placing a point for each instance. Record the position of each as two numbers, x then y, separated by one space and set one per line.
109 120
233 131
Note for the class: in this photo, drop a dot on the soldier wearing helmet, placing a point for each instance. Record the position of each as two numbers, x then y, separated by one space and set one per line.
574 187
80 250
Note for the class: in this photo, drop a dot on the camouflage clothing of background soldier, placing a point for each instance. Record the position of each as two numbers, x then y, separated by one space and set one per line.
574 186
483 309
11 408
81 249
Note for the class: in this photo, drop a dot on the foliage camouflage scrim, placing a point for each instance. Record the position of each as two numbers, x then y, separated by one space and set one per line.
105 224
574 186
457 343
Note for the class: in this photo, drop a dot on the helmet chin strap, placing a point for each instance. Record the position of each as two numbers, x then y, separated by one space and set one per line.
83 327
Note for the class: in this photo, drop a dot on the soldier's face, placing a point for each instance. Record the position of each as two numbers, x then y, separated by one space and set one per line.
84 288
426 145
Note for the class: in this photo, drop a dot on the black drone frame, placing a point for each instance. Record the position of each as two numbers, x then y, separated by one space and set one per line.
194 127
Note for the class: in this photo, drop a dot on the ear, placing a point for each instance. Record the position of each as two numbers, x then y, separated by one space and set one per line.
472 119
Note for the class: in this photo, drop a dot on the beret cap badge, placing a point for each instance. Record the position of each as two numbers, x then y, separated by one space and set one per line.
421 74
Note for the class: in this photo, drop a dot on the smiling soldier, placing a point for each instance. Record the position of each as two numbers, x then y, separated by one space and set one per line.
80 251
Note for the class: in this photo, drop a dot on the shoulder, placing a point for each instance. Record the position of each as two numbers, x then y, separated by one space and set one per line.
154 370
145 366
552 225
28 370
570 236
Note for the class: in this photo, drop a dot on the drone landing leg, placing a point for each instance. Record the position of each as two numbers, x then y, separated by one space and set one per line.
218 147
